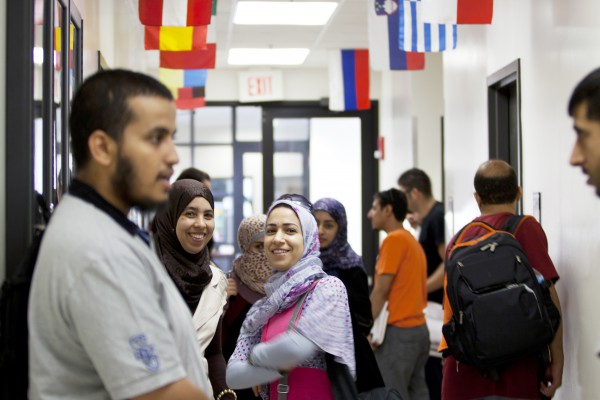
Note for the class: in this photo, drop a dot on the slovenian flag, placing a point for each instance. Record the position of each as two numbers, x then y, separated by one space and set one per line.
193 59
175 12
349 80
175 38
416 34
384 52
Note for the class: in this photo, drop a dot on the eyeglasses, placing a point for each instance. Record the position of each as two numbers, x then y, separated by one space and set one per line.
299 200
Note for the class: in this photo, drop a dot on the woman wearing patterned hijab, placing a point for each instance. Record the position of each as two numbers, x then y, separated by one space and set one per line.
181 231
339 259
271 339
250 273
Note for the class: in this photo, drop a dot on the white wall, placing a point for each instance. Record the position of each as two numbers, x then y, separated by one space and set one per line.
557 43
410 107
2 142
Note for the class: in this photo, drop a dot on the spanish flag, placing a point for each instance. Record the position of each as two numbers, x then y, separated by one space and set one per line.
175 38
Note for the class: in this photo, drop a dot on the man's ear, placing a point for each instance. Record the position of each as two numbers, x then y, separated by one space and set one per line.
415 193
519 194
388 210
103 148
477 199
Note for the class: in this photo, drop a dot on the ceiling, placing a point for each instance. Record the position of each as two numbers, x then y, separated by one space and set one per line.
346 29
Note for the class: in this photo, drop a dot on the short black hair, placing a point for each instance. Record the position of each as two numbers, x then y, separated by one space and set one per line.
102 103
194 173
396 198
588 91
497 189
416 178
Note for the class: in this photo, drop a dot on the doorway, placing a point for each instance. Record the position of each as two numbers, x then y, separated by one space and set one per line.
504 114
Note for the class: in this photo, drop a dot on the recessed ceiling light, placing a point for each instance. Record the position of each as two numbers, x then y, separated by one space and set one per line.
283 12
267 56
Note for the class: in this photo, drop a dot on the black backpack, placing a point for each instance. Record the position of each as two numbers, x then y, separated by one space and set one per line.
14 298
502 309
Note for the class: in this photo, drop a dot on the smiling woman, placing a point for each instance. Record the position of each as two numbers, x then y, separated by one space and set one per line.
284 331
181 232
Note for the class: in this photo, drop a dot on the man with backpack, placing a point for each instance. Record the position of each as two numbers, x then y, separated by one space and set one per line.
532 375
105 319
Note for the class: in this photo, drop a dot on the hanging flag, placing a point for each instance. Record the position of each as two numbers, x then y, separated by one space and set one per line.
384 52
193 59
349 80
475 11
189 97
177 78
438 11
190 92
414 34
188 104
175 12
175 38
457 11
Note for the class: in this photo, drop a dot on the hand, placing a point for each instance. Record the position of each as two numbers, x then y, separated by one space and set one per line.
553 379
373 345
231 287
256 390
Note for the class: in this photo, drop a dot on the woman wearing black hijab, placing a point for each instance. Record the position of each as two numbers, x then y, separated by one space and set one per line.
181 231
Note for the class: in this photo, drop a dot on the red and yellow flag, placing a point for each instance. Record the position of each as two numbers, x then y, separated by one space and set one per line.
193 59
175 38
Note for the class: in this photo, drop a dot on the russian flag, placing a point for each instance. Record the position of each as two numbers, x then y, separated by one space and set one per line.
384 52
349 80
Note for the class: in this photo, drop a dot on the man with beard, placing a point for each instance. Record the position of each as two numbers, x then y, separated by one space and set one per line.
105 319
584 108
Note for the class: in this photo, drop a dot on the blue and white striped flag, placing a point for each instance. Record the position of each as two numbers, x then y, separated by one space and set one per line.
416 34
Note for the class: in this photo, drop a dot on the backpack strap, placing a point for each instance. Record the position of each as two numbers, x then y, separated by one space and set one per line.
514 222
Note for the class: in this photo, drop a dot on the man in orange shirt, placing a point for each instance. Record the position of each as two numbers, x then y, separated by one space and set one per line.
400 279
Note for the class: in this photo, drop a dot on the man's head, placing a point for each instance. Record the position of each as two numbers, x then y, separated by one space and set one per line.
196 174
496 184
122 126
584 108
388 209
415 183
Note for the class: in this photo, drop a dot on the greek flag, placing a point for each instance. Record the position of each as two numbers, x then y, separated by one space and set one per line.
416 34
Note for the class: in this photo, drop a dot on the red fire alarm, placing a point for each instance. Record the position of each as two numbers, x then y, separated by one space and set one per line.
380 152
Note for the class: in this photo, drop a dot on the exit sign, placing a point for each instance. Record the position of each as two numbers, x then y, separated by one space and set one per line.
257 86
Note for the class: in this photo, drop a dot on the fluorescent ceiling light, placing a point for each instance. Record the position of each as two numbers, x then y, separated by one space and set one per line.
267 56
283 12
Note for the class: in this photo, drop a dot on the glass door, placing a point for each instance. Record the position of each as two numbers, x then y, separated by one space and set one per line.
310 150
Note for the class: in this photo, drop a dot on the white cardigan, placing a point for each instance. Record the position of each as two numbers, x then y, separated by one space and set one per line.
209 310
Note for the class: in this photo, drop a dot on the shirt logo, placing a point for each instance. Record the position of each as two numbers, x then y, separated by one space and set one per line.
144 351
